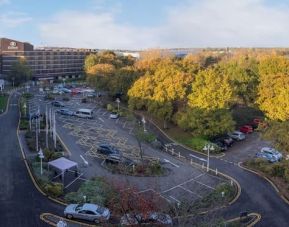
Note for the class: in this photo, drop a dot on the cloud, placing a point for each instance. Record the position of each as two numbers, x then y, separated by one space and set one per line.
190 24
13 19
94 31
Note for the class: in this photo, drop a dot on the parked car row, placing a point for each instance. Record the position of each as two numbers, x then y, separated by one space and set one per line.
226 141
98 214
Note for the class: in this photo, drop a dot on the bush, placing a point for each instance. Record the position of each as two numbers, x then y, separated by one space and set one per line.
54 189
24 124
109 107
278 170
49 97
28 95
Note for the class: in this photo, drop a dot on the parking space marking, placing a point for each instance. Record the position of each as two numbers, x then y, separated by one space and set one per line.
178 201
101 119
188 190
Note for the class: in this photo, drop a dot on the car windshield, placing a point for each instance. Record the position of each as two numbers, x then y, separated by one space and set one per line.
78 207
100 210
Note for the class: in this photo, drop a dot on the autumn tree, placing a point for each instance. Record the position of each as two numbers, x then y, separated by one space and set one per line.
211 90
273 90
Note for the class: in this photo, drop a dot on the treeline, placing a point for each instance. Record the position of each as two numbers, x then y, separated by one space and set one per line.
197 92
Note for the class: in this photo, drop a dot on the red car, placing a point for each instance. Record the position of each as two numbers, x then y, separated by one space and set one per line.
246 129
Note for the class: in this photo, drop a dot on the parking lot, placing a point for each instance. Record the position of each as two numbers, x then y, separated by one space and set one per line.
82 137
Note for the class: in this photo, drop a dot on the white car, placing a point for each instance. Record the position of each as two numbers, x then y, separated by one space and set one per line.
114 115
87 211
237 135
270 154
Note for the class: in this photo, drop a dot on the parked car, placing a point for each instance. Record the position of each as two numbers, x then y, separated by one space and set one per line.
112 154
221 145
270 154
114 115
87 211
153 218
66 112
65 90
237 135
246 129
227 140
57 104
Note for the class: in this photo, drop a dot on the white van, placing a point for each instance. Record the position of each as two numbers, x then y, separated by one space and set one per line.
84 113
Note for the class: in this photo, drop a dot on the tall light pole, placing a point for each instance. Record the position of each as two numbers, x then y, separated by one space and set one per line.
46 126
208 148
41 156
36 134
117 101
54 129
144 123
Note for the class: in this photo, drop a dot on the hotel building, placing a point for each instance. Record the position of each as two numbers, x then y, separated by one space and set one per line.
47 63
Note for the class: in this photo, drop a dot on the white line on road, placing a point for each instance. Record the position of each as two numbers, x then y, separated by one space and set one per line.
168 161
101 119
178 201
190 191
201 159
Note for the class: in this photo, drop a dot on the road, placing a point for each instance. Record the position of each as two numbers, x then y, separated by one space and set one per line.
20 202
257 194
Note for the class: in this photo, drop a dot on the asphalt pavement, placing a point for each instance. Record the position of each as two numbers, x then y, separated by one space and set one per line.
257 194
20 202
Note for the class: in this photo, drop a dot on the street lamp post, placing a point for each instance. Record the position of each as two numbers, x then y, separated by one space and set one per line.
41 156
208 148
117 101
144 123
25 107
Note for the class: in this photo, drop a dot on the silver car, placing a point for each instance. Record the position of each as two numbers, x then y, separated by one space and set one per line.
87 211
237 135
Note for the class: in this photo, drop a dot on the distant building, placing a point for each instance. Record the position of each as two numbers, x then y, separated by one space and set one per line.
47 63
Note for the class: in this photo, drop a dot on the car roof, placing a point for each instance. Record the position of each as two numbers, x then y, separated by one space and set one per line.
89 206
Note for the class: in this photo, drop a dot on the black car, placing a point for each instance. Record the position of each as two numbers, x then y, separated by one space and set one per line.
57 104
228 141
111 153
221 145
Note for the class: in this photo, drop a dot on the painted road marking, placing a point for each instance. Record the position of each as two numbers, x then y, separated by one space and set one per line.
194 156
178 201
168 161
101 119
188 190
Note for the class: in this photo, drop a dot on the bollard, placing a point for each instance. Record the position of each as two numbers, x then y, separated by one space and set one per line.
231 183
133 168
202 165
172 150
216 171
223 194
191 162
179 154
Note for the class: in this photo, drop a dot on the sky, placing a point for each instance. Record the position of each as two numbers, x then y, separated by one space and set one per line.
143 24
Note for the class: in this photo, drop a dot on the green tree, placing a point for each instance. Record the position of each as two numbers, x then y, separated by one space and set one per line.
20 72
203 122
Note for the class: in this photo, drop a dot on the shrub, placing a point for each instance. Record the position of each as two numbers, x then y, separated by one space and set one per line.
24 124
28 95
109 107
278 170
54 189
49 97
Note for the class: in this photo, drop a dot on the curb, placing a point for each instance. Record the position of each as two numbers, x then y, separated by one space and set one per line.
267 179
251 214
42 217
29 171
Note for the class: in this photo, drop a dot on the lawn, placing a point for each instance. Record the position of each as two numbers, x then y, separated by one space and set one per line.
3 103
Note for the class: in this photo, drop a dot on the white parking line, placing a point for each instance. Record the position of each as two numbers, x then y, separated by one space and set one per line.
101 119
190 191
178 201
